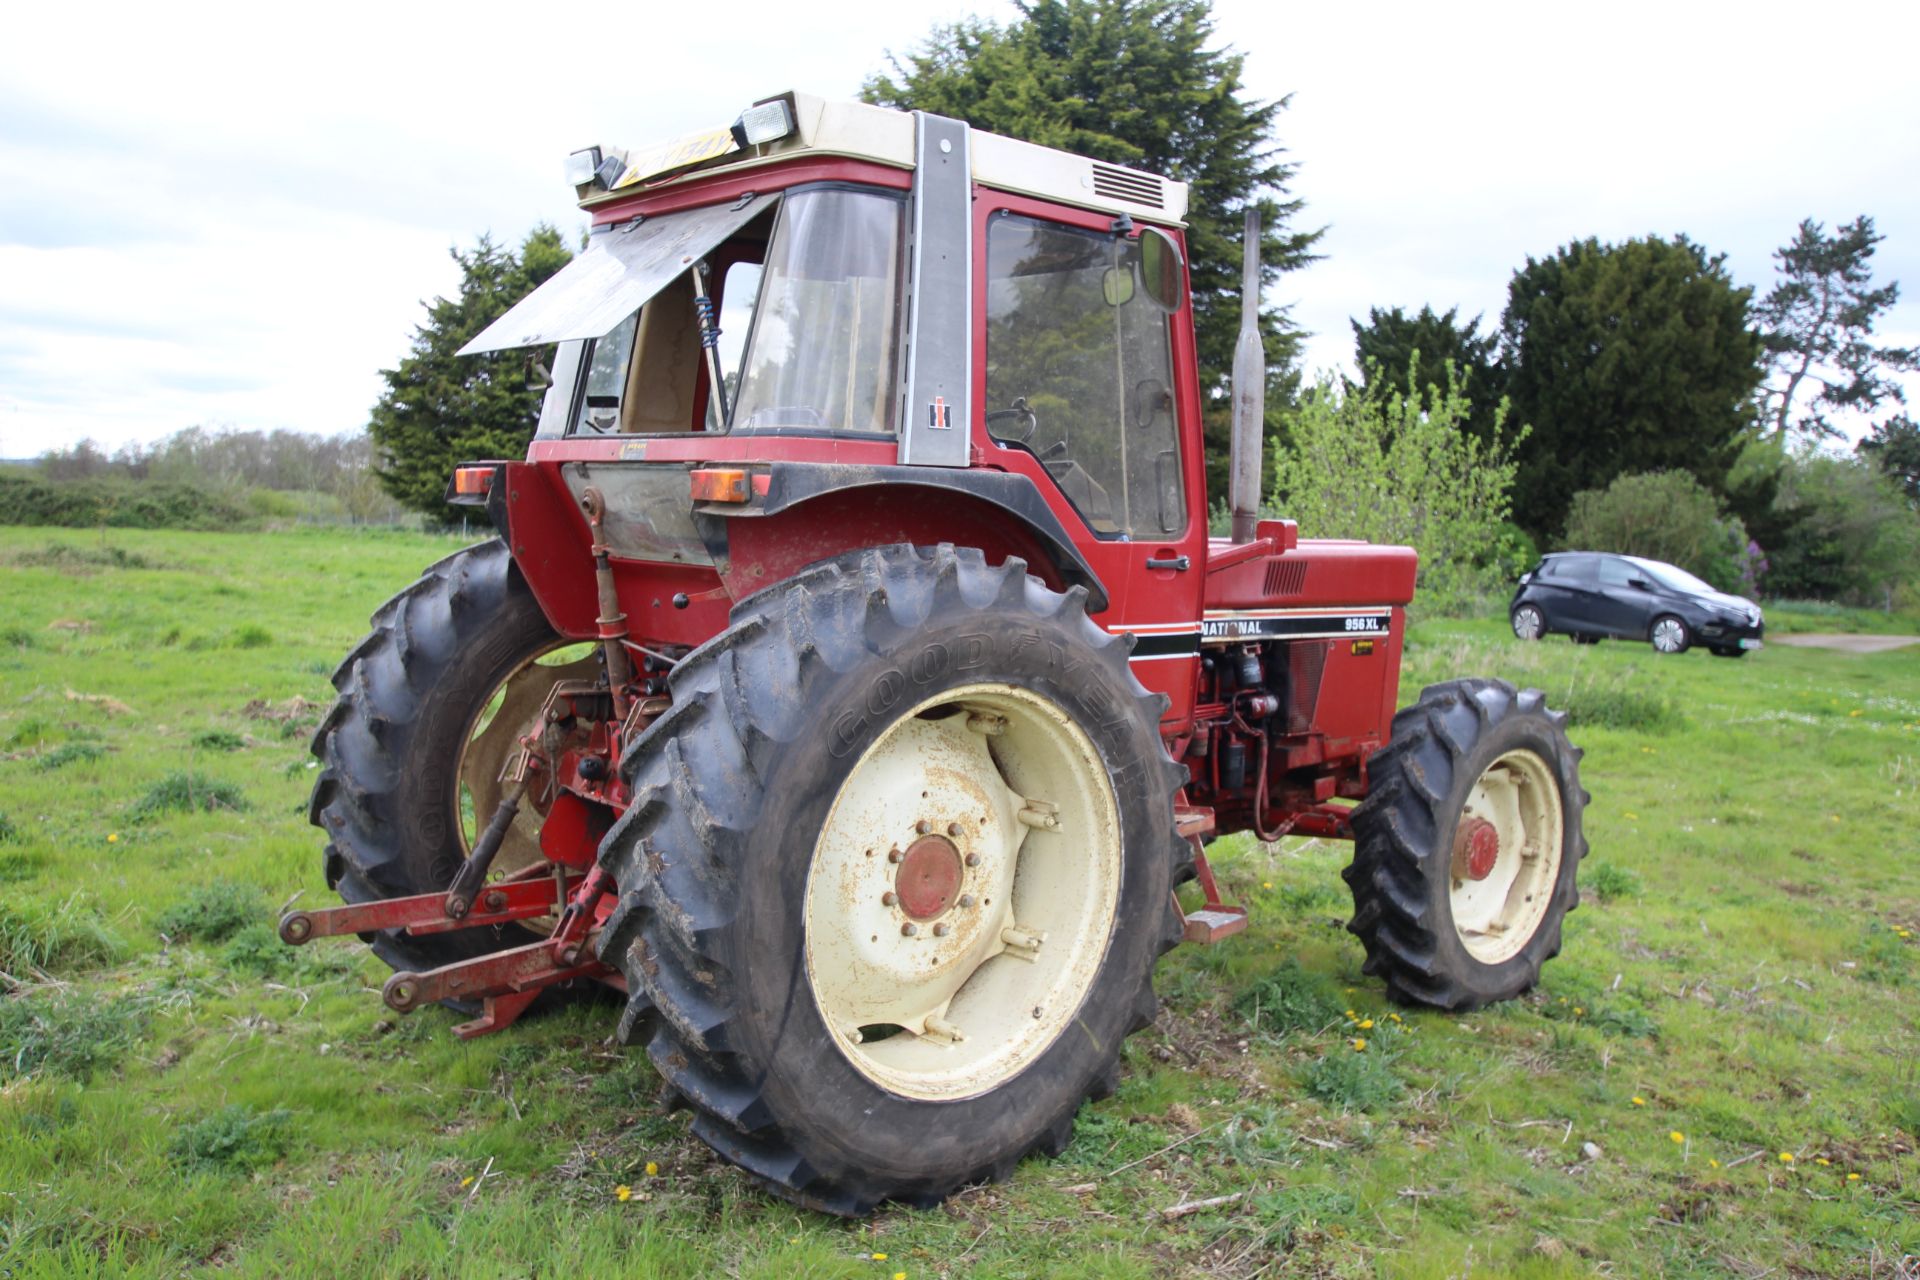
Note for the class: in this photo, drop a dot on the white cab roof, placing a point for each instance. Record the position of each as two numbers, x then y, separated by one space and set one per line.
826 127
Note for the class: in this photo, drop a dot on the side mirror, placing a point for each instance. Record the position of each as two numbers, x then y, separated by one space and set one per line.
1639 584
1116 286
1162 274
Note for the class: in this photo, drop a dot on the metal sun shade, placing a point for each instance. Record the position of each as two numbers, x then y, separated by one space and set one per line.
617 273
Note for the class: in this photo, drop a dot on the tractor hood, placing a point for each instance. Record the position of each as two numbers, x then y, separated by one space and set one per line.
621 268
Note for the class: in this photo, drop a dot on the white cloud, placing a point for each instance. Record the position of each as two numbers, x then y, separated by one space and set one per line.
231 213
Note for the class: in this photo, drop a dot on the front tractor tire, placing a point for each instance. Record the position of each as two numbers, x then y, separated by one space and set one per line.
1466 847
428 707
895 876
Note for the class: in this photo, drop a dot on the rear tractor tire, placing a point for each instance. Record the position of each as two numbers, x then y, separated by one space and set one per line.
895 876
429 706
1466 846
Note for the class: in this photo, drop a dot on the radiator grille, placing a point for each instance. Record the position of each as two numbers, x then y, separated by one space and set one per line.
1286 578
1306 663
1123 184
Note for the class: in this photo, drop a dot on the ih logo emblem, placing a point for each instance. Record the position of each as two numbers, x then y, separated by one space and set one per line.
940 414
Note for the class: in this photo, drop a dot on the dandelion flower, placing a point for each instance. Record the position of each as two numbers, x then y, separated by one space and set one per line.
113 837
1639 1101
1822 1161
1677 1136
1366 1024
1579 1012
1853 1177
878 1257
623 1193
1856 711
1393 1017
653 1169
1359 1045
1903 933
1786 1157
1266 884
1352 1016
466 1181
1713 1162
899 1275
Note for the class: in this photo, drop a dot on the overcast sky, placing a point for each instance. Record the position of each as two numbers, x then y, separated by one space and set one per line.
229 215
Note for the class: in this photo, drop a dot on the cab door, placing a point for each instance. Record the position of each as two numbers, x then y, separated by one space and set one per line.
1087 384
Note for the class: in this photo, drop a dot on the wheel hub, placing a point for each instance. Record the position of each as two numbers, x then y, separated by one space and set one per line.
1476 849
929 877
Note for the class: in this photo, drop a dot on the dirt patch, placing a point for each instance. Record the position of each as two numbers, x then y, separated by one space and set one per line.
1845 643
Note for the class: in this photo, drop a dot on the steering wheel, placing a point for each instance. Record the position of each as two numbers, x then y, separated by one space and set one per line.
1019 409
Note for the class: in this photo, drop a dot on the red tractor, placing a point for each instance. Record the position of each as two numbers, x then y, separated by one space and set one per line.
854 678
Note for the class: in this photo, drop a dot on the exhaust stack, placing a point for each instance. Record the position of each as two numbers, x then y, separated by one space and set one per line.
1249 392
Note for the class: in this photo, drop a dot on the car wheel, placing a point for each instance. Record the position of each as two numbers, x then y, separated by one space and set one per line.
1528 623
1670 634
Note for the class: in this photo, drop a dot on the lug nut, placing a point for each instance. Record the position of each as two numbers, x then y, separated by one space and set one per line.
953 829
908 929
494 901
1037 1011
966 900
973 859
888 898
894 855
923 826
940 931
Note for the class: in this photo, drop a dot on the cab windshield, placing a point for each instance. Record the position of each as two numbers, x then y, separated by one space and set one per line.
825 336
793 317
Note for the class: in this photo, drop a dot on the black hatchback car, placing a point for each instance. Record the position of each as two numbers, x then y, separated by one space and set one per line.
1588 595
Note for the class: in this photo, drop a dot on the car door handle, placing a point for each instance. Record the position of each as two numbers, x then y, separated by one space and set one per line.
1178 563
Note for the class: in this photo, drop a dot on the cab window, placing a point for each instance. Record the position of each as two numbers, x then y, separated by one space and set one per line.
1080 372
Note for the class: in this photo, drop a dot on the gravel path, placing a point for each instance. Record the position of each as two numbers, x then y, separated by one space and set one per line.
1845 643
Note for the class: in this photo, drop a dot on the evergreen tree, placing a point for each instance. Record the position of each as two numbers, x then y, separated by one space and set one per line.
1386 346
1817 324
1895 446
1629 357
440 410
1135 82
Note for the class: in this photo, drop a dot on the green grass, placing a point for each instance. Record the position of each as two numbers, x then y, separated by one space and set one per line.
178 1094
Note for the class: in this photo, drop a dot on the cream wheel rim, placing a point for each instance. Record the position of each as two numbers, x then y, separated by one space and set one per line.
1507 847
492 736
962 892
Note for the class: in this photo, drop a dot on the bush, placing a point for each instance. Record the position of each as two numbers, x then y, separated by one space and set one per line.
1663 515
1369 462
114 502
66 1031
1611 881
1620 706
36 936
219 740
212 913
187 793
236 1138
69 753
1356 1080
1289 999
1844 532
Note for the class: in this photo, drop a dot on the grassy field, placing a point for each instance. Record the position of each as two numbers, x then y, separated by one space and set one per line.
1719 1077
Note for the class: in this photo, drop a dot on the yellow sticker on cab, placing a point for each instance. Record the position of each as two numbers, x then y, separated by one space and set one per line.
677 154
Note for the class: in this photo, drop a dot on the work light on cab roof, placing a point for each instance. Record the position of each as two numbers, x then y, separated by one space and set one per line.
854 678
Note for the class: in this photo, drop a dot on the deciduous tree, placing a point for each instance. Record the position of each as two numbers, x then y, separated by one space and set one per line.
440 409
1372 462
1138 83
